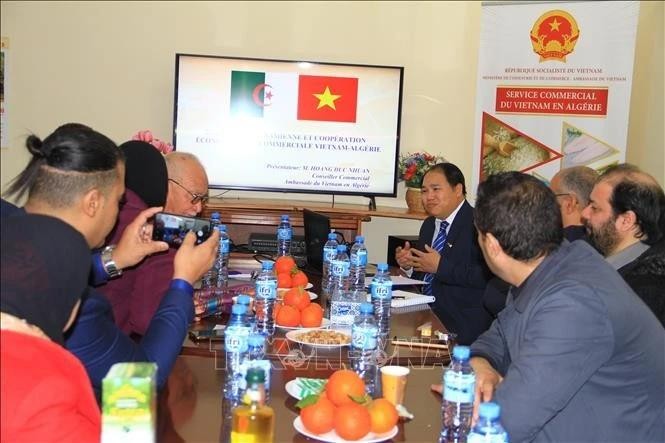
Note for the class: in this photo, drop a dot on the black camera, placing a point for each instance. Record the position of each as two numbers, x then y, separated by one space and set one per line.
172 228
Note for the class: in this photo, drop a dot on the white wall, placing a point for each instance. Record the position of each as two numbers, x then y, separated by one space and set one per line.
111 65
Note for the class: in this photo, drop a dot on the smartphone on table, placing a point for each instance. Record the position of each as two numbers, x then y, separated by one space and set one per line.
172 228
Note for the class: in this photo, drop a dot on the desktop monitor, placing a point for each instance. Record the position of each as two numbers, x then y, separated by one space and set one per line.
317 227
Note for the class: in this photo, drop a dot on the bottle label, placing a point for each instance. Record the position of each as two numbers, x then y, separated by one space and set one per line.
458 388
343 313
236 339
284 234
382 290
266 289
364 338
224 246
329 254
359 258
340 268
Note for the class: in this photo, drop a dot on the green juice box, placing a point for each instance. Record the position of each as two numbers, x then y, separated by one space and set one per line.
129 409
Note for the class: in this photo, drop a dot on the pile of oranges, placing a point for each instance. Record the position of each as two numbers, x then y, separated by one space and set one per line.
344 407
296 309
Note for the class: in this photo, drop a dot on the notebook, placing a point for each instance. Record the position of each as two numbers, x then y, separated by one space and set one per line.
403 298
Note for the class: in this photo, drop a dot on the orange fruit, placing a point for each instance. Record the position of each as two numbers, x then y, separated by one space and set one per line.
284 280
297 297
299 278
285 263
319 418
311 316
342 384
352 421
288 316
383 415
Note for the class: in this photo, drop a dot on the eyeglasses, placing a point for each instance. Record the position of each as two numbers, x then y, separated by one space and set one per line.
195 197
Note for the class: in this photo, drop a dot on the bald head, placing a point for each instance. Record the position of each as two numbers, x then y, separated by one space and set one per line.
572 187
187 180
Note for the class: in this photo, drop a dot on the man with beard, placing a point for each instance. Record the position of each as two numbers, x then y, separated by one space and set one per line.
625 220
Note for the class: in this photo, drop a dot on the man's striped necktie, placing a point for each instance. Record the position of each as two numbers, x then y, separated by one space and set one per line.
439 241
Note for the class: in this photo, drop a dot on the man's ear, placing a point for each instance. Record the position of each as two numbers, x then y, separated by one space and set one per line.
627 221
492 246
92 202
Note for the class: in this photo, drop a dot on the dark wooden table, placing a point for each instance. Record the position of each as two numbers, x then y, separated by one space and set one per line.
190 408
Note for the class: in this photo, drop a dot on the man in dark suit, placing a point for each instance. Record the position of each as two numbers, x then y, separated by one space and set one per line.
448 256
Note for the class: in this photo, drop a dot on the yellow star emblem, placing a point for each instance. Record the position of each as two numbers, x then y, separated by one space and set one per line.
326 99
554 25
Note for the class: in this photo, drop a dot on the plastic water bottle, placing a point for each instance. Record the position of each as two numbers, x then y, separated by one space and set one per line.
329 253
381 289
344 303
358 258
488 429
364 343
235 346
222 261
209 279
459 382
340 268
250 318
264 304
284 234
256 357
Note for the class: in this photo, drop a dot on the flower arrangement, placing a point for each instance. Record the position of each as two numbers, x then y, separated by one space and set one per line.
146 136
412 167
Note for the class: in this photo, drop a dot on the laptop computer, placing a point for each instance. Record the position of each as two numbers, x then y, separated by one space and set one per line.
317 227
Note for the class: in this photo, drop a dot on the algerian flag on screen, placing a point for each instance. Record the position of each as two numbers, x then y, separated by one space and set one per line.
264 94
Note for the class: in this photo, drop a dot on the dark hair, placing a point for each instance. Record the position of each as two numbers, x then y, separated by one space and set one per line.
521 212
647 201
452 173
72 160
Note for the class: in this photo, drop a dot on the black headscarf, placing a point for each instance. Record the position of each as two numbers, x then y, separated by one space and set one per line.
145 172
45 268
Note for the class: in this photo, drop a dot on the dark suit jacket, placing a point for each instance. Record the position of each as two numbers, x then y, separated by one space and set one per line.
460 281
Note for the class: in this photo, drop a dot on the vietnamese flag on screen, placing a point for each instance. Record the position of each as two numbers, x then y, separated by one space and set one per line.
333 99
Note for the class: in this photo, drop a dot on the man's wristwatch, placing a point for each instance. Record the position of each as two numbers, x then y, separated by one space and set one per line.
107 261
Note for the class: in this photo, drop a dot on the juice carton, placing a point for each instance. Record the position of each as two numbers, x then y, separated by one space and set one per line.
129 409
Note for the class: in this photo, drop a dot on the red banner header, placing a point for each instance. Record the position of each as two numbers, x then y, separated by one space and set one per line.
560 101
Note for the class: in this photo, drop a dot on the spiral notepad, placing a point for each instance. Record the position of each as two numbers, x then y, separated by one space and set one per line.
402 299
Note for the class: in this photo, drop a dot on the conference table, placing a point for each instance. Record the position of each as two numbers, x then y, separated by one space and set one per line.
191 405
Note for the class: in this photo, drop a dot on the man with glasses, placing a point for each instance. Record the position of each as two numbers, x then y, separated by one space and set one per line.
572 187
188 185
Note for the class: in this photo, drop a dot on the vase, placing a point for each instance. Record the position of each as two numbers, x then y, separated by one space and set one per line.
414 200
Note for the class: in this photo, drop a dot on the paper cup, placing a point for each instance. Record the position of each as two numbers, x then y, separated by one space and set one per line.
393 381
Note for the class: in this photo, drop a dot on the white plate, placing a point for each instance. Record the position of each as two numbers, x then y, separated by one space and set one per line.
313 295
332 436
307 286
292 389
291 335
325 323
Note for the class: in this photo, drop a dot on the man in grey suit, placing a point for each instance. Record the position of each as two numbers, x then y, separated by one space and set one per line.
575 355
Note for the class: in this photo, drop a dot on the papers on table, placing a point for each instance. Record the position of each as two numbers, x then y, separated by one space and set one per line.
398 280
403 298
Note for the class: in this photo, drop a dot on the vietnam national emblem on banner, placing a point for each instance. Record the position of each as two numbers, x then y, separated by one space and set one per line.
554 35
332 99
263 94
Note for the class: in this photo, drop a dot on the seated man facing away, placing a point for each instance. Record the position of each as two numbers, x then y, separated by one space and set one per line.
180 184
90 167
575 355
572 187
626 223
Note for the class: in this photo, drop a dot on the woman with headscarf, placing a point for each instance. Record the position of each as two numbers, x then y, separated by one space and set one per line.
146 184
46 393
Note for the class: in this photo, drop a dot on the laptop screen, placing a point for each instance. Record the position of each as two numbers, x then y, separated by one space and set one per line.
317 227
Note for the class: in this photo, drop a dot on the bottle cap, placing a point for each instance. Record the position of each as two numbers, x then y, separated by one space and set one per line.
285 217
366 308
243 300
267 265
461 352
255 375
360 239
237 309
489 410
257 340
382 267
215 215
332 236
341 248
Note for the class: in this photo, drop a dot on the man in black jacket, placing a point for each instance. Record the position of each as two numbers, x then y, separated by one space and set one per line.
626 223
448 257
